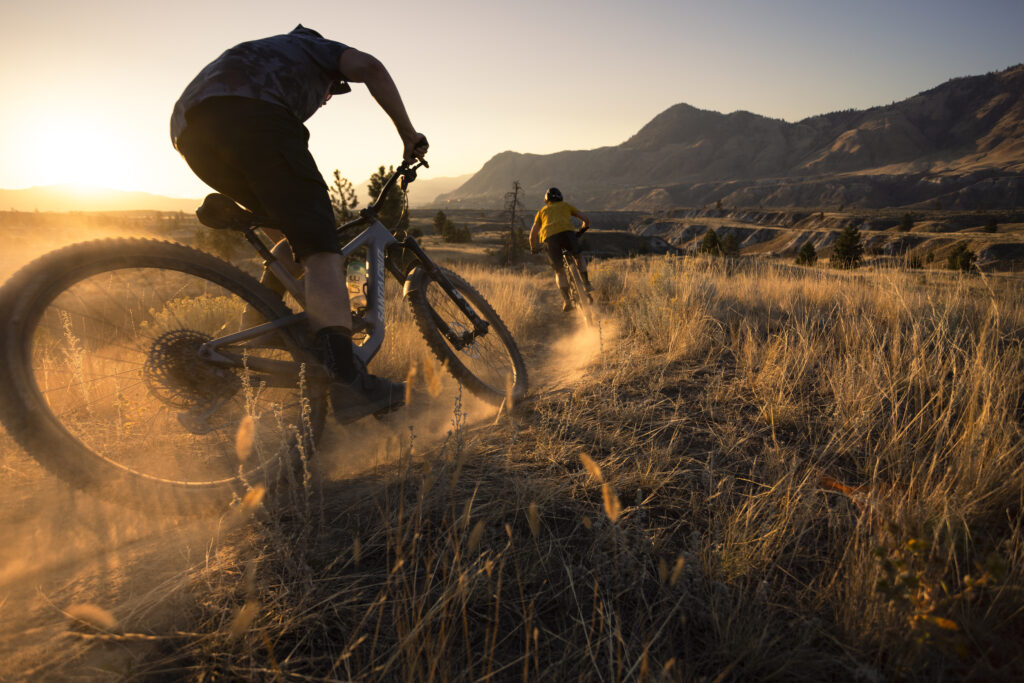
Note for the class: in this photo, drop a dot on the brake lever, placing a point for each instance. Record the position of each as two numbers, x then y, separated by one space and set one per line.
409 173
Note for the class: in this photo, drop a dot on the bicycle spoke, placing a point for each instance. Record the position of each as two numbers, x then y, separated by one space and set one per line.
115 357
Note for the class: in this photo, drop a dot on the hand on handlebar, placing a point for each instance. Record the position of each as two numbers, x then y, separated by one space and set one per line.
416 148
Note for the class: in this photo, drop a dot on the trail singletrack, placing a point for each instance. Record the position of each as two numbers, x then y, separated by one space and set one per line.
63 547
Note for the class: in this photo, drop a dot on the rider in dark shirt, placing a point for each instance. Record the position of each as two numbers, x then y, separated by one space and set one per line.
239 125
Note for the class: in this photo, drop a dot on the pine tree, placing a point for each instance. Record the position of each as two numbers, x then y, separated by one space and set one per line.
848 251
343 199
710 244
392 211
729 245
807 256
440 219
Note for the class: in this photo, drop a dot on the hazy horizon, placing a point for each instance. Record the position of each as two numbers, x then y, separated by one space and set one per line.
90 104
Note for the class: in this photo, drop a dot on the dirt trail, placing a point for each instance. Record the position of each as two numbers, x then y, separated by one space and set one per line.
62 547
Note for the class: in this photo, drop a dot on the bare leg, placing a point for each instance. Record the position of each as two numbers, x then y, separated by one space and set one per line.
581 263
326 293
283 252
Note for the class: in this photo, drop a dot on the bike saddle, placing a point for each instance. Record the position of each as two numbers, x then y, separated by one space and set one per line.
222 213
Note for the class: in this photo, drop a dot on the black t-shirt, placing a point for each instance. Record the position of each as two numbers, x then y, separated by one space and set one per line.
294 70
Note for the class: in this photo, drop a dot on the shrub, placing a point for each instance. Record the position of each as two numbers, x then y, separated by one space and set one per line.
453 233
807 256
906 223
991 225
848 251
223 243
961 259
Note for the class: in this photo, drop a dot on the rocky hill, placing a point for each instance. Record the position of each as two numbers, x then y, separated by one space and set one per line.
957 146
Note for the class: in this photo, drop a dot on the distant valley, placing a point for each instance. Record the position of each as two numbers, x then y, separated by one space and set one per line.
69 197
73 197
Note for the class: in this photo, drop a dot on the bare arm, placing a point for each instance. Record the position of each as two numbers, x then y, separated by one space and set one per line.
360 67
534 234
583 217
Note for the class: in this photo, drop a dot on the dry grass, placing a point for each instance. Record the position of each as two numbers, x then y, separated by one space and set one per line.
773 473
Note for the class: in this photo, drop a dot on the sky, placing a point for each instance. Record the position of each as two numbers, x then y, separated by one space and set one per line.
87 87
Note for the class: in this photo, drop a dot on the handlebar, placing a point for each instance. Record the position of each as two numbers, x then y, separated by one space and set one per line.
404 174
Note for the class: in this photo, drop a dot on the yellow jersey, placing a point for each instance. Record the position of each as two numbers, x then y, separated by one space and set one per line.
555 218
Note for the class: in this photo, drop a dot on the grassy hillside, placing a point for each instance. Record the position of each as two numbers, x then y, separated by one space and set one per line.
751 471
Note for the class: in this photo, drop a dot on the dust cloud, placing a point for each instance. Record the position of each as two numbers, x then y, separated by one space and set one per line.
61 549
573 354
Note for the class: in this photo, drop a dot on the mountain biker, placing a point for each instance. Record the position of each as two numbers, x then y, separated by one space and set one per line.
239 126
553 226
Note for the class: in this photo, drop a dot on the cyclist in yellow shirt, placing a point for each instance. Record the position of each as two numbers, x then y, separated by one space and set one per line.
553 226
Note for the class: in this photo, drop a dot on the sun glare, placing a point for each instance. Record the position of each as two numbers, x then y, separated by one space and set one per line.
79 152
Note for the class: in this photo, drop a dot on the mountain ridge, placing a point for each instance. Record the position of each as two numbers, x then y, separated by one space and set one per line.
76 197
960 143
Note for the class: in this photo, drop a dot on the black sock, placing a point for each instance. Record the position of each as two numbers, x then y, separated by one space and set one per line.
336 346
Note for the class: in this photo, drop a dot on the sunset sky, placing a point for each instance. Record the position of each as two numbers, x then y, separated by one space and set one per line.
88 87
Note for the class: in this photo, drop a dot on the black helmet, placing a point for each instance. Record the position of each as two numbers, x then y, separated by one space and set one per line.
553 195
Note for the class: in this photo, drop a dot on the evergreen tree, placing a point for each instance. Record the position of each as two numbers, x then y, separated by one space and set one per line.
710 244
392 211
729 245
343 199
440 220
807 256
848 251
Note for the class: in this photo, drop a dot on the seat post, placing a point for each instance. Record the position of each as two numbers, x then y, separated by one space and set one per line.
258 245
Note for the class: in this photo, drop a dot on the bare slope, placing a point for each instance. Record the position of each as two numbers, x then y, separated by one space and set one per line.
961 143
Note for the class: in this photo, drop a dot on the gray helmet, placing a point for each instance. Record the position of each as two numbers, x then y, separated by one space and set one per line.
553 195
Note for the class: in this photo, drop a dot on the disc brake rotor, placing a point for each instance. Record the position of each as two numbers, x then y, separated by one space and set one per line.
472 349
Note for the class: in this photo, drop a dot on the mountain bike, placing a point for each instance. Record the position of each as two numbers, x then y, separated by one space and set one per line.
578 294
150 370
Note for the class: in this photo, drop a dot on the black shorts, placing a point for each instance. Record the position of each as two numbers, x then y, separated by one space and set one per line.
257 154
566 240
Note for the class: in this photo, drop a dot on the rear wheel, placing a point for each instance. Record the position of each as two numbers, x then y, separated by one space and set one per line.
491 367
104 384
578 291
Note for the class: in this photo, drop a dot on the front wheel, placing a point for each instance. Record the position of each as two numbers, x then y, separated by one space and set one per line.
104 383
491 367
